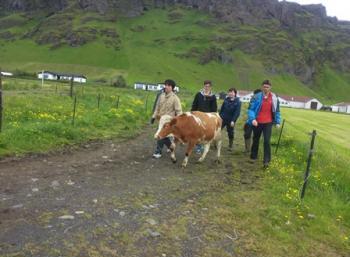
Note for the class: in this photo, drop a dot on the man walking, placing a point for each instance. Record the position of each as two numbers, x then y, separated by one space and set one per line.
168 103
204 101
263 112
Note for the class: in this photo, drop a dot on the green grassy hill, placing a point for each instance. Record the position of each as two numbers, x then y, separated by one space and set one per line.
186 45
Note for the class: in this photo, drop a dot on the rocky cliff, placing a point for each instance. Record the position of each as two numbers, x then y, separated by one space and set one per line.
298 39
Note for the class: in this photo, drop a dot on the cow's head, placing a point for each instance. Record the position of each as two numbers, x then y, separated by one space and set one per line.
163 120
167 129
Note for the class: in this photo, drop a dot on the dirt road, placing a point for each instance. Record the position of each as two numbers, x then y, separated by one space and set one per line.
112 199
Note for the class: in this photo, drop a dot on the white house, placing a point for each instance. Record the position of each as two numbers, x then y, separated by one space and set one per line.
140 85
283 102
153 87
341 107
6 74
302 102
161 86
245 96
49 75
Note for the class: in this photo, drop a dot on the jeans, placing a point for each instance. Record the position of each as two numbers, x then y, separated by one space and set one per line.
161 142
248 129
230 131
266 130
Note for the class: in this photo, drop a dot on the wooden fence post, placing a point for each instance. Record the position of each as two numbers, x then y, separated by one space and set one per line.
74 109
117 105
71 87
146 104
98 100
307 173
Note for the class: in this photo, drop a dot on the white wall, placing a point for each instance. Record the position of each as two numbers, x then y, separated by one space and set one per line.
245 98
343 109
139 86
47 76
308 104
296 104
79 80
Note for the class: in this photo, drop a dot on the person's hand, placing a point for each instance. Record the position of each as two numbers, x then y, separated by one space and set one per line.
152 120
278 126
232 124
255 123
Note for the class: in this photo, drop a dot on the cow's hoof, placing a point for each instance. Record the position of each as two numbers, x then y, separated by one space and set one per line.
217 161
200 160
174 161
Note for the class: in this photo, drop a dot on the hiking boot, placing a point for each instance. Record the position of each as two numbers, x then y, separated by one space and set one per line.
156 155
230 143
252 160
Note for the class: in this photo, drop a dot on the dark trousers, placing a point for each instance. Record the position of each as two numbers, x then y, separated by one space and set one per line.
248 130
161 142
230 130
266 130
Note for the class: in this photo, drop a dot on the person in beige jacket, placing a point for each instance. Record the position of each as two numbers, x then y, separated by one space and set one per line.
168 103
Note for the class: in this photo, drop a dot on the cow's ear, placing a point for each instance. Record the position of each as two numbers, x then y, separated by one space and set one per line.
173 122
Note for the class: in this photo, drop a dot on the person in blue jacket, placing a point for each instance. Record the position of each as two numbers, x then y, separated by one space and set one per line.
229 113
263 112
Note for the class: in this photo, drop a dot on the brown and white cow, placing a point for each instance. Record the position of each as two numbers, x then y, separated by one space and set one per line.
194 128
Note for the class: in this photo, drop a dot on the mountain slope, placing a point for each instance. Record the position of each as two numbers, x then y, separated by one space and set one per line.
233 48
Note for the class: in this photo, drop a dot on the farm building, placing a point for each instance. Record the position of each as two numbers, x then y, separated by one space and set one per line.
140 85
146 86
6 74
161 86
341 107
150 86
283 102
48 75
302 102
245 96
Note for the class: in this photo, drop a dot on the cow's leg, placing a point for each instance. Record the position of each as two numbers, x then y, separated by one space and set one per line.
188 153
172 149
206 149
219 143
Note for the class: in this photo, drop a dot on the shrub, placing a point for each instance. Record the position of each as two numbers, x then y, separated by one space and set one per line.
119 81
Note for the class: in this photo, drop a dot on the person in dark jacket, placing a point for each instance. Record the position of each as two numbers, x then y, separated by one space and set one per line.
204 101
263 112
229 113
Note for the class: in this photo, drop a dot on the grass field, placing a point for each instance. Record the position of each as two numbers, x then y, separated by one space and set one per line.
320 224
279 224
40 119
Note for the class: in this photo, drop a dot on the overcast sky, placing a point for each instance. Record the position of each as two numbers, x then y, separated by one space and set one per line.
338 8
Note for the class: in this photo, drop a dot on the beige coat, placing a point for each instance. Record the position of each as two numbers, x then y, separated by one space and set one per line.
167 104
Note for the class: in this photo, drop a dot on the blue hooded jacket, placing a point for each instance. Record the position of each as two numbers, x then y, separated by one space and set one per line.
255 107
230 109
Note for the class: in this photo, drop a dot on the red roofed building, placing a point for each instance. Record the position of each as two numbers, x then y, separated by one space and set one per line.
302 102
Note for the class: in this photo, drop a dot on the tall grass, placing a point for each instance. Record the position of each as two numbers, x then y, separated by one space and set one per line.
40 119
322 219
